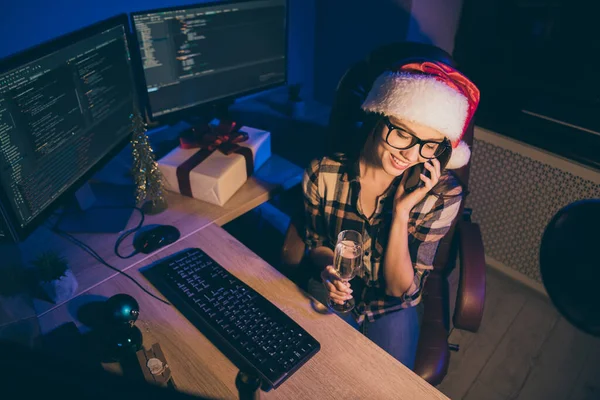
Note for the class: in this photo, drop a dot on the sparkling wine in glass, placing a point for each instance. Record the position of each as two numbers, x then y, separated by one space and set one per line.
347 262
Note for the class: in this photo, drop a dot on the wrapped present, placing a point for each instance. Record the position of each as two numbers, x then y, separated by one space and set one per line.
212 163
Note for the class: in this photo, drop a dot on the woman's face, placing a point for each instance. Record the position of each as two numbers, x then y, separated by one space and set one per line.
395 161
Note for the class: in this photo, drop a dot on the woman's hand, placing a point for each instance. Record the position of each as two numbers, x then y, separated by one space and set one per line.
405 202
339 291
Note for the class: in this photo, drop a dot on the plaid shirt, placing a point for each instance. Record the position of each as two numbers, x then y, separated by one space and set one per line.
331 187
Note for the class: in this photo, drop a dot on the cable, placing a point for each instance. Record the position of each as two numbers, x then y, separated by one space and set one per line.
98 258
124 235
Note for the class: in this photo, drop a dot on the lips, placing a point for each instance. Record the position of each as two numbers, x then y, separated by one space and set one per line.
396 163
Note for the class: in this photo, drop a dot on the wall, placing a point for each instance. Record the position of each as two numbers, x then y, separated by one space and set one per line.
346 31
515 191
25 23
435 22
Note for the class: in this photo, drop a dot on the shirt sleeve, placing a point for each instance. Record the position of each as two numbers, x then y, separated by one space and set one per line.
314 226
426 234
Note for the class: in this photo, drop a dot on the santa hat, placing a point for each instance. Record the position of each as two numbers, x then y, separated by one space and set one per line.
432 94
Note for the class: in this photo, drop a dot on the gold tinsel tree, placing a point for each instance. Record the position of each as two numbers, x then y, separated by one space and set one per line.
148 178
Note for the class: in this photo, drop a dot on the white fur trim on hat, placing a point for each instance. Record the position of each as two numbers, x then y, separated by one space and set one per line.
460 156
421 99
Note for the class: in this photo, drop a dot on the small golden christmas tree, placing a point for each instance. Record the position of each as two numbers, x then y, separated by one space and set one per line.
148 178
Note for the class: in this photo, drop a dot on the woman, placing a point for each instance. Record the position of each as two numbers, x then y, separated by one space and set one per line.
418 113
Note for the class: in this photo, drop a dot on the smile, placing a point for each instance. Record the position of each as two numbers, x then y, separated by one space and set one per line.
396 163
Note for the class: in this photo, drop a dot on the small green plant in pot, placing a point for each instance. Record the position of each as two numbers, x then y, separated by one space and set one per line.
55 276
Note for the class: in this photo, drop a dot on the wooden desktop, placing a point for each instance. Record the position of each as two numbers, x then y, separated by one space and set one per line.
348 365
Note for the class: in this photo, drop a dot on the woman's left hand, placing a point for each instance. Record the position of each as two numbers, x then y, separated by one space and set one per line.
405 202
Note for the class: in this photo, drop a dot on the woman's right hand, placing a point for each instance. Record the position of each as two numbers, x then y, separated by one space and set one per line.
339 291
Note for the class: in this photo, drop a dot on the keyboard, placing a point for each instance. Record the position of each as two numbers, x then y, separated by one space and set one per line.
250 330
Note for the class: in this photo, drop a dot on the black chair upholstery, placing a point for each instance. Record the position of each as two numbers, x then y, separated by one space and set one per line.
570 266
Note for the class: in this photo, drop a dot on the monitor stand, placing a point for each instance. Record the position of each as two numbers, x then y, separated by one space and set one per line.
98 208
204 115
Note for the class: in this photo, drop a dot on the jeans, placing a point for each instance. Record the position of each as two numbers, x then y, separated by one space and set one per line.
396 333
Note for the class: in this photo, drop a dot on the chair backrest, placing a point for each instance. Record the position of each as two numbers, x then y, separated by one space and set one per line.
569 263
347 116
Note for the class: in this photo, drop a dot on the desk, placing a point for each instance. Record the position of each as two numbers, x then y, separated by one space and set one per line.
187 214
348 366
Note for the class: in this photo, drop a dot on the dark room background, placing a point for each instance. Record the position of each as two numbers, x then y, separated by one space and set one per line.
26 23
326 36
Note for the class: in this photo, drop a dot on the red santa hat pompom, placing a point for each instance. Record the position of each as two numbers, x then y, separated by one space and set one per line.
432 94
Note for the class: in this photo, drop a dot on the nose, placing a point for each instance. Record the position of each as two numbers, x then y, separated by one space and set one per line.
411 154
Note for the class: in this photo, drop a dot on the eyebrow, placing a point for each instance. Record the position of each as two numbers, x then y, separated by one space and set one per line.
403 127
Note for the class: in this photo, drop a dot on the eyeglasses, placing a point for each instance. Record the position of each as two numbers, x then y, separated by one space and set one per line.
401 139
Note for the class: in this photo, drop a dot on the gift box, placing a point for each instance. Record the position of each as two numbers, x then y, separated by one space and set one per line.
213 166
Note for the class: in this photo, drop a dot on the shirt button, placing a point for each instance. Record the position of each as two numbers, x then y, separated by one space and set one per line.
367 253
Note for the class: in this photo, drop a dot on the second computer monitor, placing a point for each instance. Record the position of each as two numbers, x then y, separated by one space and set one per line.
195 55
65 111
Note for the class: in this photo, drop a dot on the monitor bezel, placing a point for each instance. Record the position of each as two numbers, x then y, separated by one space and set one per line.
197 109
17 232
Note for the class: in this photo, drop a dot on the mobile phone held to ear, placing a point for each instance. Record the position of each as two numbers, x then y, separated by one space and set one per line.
413 182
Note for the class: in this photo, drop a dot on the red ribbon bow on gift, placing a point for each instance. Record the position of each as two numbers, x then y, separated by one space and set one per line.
224 137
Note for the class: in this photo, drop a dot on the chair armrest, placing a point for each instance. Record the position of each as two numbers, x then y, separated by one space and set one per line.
433 355
471 288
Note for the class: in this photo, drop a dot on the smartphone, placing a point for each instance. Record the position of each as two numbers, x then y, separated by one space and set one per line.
413 182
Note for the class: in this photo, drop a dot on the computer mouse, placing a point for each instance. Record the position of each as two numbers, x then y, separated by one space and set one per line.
153 237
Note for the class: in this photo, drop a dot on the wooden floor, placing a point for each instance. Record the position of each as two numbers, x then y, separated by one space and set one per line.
524 350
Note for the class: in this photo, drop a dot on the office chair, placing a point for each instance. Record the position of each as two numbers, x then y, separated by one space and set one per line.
570 266
464 237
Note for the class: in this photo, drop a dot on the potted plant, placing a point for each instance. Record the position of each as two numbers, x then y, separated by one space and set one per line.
295 101
55 277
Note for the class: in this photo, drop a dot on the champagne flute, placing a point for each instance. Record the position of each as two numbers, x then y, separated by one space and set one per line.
347 262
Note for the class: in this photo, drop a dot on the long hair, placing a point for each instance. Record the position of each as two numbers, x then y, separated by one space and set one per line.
351 142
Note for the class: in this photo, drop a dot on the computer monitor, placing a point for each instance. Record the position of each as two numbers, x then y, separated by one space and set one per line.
194 57
65 110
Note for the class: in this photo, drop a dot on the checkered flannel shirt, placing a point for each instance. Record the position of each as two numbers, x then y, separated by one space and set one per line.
331 186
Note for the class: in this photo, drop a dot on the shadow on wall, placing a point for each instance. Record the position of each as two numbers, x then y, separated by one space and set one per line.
346 34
